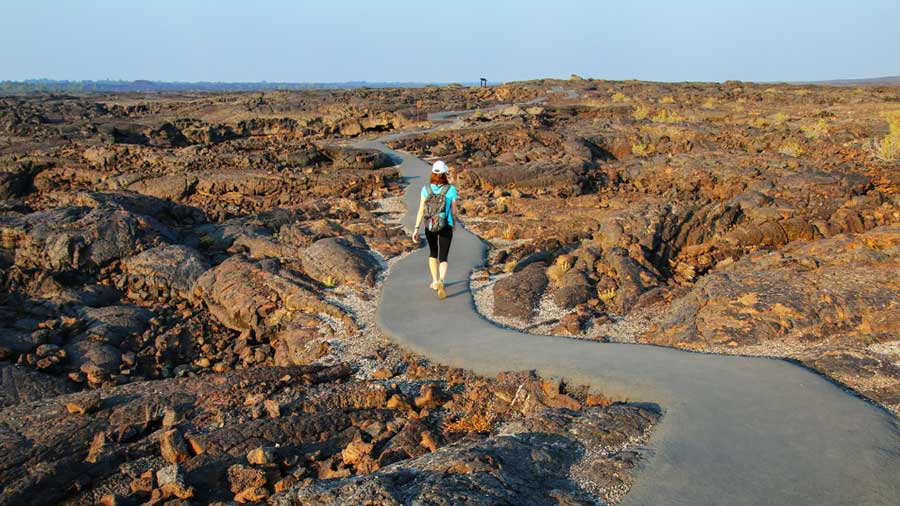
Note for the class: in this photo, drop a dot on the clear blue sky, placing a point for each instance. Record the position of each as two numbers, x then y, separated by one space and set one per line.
448 40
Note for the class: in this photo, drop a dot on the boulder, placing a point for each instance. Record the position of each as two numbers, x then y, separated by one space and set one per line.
23 384
93 357
172 267
16 342
77 238
337 260
12 185
173 448
360 159
172 187
113 324
518 295
260 296
172 482
574 288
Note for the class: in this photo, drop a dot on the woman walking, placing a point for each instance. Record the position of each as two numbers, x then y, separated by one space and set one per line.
438 210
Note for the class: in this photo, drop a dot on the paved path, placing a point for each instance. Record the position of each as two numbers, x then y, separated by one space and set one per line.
735 430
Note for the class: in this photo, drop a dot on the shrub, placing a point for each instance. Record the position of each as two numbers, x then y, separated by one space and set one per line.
641 112
888 148
556 271
474 422
791 148
666 116
641 149
607 295
780 117
816 130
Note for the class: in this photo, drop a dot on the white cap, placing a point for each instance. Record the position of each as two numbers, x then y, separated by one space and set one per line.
439 167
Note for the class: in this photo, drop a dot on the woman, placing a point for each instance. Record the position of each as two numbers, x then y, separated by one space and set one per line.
441 233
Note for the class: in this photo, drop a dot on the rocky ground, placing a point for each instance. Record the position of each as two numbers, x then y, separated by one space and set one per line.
187 301
734 218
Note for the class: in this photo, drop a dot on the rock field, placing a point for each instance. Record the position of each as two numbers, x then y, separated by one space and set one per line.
186 316
731 218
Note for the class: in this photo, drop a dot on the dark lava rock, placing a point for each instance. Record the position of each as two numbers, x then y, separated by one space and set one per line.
518 294
350 158
337 260
574 289
23 384
172 267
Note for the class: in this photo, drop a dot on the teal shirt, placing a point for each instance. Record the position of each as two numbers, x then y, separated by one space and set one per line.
450 196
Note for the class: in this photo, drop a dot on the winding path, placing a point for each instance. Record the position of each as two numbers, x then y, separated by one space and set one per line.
735 430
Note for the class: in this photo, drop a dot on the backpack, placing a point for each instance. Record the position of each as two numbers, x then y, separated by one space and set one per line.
435 209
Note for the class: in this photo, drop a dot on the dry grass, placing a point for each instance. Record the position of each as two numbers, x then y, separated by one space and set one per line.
791 148
640 112
509 233
641 149
562 265
473 422
888 148
779 118
667 116
814 131
607 295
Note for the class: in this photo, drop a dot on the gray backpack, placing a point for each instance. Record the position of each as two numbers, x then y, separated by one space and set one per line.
436 209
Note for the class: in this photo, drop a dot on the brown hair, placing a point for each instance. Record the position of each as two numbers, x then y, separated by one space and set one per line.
439 178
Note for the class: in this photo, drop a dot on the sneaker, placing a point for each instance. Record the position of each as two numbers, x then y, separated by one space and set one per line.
442 294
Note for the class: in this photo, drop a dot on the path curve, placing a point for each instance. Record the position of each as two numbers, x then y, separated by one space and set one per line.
735 430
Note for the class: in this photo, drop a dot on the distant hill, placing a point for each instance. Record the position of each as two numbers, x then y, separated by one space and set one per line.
143 86
874 81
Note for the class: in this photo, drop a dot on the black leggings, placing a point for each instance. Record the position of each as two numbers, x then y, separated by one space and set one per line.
439 243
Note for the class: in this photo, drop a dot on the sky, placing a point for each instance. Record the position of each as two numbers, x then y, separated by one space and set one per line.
448 40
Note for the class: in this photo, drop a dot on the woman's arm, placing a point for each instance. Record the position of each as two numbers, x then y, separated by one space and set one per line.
419 216
455 213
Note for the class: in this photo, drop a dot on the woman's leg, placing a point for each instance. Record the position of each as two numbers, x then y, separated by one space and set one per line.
445 237
432 239
433 267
